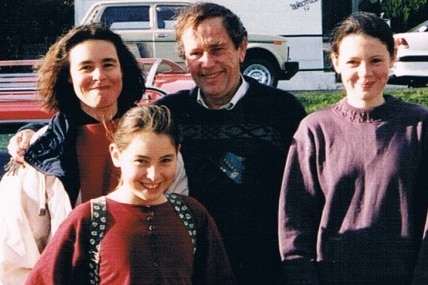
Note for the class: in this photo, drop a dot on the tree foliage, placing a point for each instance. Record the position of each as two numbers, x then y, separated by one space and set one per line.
405 14
29 27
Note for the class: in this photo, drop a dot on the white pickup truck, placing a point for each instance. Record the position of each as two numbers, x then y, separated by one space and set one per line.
148 29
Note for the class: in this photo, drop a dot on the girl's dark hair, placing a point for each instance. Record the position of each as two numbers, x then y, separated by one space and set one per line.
54 87
191 16
146 118
363 23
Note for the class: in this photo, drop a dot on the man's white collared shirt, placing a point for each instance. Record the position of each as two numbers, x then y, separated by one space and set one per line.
240 93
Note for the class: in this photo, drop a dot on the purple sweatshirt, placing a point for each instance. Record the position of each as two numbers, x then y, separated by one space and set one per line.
354 196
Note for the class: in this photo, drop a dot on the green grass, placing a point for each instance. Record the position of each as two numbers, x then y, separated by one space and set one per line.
4 138
316 100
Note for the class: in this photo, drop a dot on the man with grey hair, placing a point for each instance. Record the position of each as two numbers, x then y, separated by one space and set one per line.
236 134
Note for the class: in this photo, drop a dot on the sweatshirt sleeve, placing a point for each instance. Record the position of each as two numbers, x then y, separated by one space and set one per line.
420 276
300 208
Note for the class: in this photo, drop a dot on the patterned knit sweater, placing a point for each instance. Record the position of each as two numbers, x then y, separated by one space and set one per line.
234 160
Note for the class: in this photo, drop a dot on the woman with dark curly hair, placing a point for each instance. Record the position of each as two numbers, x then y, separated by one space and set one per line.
91 79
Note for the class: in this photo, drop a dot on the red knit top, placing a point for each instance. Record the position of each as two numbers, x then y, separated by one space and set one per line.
98 176
141 245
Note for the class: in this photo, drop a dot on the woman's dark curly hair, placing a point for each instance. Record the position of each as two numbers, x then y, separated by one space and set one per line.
57 92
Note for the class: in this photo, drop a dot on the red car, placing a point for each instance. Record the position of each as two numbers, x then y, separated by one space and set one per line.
18 95
164 77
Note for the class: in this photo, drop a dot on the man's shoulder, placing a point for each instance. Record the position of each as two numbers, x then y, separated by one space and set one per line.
175 97
262 91
177 102
272 98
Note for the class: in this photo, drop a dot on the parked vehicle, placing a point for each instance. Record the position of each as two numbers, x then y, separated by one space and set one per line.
18 100
147 27
163 77
411 66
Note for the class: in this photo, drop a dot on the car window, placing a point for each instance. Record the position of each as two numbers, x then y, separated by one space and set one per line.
131 17
166 15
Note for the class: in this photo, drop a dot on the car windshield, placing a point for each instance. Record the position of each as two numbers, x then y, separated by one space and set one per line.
124 17
422 27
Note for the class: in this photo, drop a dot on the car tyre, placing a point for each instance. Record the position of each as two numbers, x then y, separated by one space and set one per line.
261 70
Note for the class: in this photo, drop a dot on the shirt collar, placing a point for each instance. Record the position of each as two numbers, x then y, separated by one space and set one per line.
240 93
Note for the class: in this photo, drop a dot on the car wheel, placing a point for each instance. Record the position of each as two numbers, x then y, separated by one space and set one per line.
261 70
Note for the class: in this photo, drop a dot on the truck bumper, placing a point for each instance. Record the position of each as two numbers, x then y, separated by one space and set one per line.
290 69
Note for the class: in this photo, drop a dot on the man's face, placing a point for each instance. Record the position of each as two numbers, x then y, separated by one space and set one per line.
213 61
